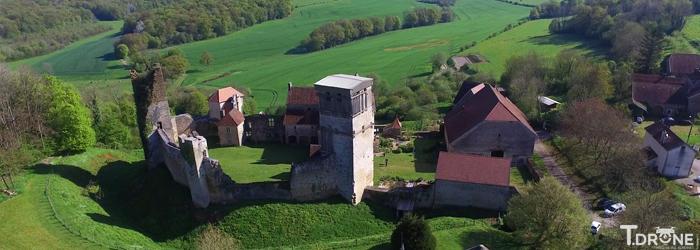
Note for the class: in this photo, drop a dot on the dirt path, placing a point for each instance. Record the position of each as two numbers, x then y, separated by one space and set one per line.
557 172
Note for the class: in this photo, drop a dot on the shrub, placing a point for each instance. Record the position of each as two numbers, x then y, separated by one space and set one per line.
413 232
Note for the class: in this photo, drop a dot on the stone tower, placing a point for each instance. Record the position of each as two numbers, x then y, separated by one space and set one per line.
346 108
152 109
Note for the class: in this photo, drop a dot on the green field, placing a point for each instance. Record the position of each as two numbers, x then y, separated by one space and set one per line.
260 163
680 131
532 36
255 57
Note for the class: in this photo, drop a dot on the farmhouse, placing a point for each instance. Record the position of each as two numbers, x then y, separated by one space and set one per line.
485 122
230 127
681 65
659 95
472 181
667 153
301 116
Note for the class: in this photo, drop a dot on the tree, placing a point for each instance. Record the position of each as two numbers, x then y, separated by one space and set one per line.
438 60
206 58
249 106
413 232
212 238
391 23
589 80
174 64
69 118
651 210
110 129
650 52
122 51
548 216
189 100
524 77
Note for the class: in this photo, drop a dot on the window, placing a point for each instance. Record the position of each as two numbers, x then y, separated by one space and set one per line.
228 130
271 122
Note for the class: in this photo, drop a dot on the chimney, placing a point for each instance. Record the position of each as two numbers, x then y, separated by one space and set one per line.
289 85
357 74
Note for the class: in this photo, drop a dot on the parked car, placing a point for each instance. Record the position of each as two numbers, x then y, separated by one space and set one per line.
605 203
615 209
595 227
697 179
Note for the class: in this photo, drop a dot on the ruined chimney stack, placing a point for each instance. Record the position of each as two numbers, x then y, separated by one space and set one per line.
289 85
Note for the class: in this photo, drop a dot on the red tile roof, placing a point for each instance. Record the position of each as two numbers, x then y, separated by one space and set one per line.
664 136
302 96
300 118
396 124
223 94
473 169
657 89
484 103
232 118
682 64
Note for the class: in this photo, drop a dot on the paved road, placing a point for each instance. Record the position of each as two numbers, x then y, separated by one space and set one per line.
548 157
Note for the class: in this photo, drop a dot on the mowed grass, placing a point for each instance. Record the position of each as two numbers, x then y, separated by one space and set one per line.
256 57
270 162
421 163
76 221
532 36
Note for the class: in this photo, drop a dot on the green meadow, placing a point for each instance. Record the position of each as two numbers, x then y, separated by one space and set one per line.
532 36
257 57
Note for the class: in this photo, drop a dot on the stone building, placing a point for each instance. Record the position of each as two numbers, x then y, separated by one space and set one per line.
230 128
472 181
224 96
485 122
667 154
345 164
262 128
301 116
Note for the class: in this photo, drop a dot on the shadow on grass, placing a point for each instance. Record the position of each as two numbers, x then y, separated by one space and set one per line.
594 48
493 239
427 148
383 246
282 154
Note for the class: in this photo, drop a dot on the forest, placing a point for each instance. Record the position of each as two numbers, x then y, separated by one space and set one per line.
188 21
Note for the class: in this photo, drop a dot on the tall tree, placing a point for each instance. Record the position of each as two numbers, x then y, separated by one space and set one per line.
69 118
650 52
548 216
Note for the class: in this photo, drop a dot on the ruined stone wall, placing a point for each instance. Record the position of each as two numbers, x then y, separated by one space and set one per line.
314 179
451 193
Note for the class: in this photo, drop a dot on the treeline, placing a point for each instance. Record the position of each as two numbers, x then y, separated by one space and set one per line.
553 9
635 30
444 3
191 20
345 31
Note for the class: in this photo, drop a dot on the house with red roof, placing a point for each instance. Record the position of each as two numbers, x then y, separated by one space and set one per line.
301 118
393 130
220 97
468 180
226 111
484 122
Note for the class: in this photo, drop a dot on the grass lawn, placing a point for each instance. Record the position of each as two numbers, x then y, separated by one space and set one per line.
419 164
270 162
681 131
520 177
532 36
691 203
256 57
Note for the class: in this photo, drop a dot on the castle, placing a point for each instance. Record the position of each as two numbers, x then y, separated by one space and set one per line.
344 166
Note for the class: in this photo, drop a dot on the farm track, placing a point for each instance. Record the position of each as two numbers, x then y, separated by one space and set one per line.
557 172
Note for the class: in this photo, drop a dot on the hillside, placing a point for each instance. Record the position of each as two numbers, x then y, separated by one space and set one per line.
256 57
532 36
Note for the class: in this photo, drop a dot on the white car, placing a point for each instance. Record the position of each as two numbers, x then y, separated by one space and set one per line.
595 227
615 209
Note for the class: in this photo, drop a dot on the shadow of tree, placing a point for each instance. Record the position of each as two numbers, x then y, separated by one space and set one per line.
594 48
492 239
282 154
427 148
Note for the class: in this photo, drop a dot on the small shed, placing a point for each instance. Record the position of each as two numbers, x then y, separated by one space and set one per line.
393 130
547 103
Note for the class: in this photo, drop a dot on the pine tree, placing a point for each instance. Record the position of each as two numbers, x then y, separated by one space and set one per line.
650 52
